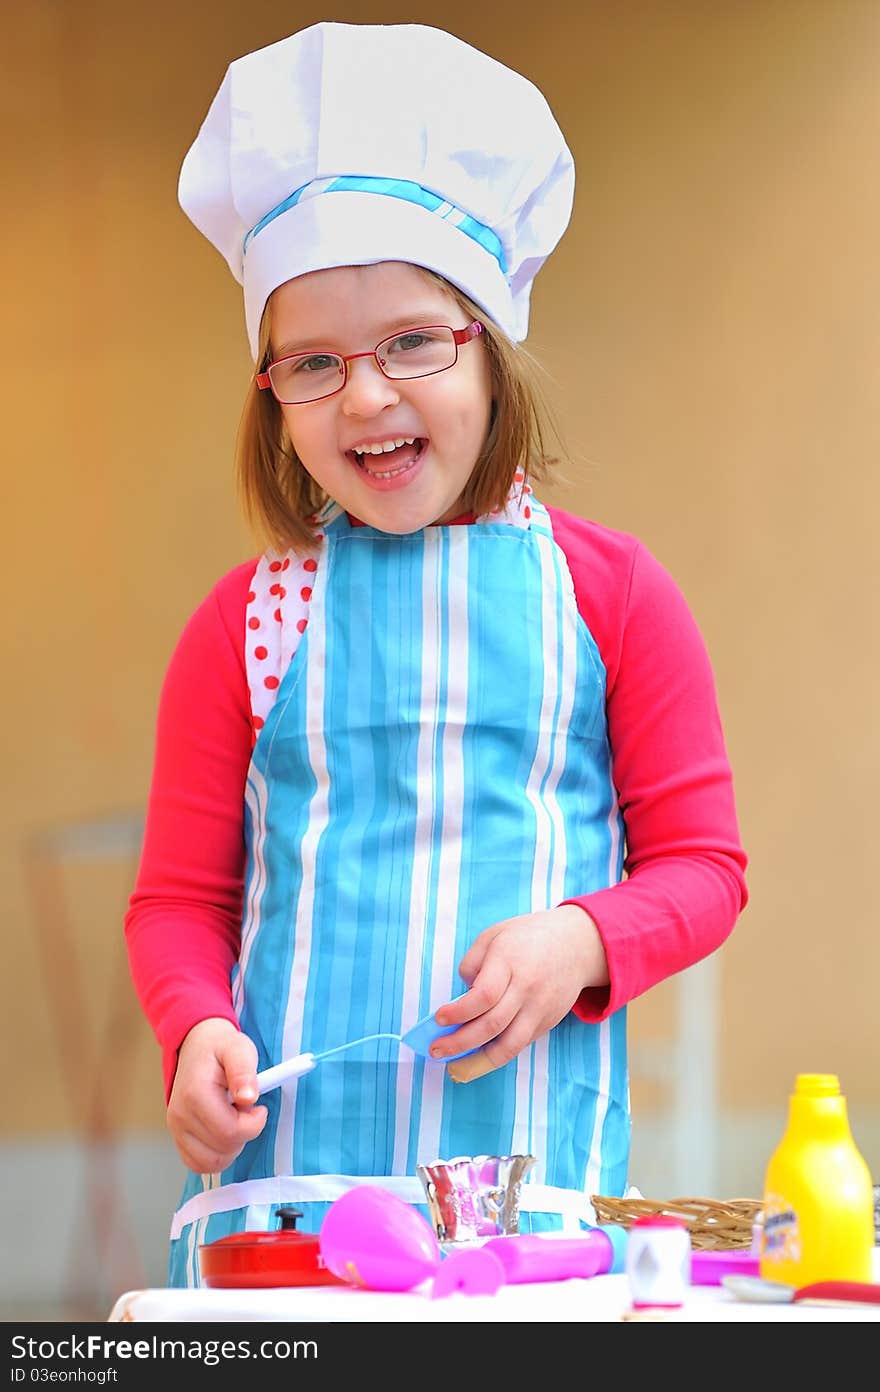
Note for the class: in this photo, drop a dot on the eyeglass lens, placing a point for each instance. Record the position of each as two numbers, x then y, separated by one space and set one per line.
415 353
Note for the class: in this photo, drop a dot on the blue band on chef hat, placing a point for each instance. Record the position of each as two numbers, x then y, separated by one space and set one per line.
390 188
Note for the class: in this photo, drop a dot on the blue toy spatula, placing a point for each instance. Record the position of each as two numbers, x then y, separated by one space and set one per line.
419 1038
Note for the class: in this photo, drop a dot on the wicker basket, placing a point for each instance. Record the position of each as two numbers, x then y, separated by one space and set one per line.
714 1223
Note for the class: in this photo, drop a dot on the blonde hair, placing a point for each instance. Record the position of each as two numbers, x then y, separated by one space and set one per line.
280 498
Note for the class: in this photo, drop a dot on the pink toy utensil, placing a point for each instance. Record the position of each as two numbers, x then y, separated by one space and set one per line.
372 1238
472 1271
541 1257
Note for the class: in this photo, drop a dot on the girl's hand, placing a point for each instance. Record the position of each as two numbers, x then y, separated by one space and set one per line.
215 1061
523 975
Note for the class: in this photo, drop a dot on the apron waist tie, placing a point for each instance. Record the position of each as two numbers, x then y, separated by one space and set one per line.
573 1206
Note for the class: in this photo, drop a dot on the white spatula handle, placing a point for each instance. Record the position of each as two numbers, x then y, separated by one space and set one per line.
291 1068
304 1063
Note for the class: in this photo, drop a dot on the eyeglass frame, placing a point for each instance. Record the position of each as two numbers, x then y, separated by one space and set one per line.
459 337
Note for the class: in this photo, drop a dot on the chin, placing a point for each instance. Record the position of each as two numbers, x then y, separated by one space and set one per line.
400 527
402 521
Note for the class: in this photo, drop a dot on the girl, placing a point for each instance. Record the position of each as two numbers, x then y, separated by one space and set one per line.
439 748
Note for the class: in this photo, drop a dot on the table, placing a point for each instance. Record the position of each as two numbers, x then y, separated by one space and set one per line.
601 1299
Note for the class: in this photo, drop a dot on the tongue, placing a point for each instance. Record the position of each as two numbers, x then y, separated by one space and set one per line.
393 459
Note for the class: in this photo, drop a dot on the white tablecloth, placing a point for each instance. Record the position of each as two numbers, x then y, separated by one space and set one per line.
599 1299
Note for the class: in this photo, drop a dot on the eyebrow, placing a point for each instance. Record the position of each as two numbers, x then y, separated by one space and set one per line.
311 345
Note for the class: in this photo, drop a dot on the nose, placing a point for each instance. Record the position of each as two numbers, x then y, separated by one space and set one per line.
367 390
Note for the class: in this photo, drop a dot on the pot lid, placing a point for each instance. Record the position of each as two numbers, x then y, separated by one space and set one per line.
286 1233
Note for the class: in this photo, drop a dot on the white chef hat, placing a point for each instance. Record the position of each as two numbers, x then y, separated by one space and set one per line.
348 144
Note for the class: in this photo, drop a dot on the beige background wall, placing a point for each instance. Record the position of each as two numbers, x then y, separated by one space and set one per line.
711 329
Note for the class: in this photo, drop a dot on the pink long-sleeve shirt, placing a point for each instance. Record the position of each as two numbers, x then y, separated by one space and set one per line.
684 884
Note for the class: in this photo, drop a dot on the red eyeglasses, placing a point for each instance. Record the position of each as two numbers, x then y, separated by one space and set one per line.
418 352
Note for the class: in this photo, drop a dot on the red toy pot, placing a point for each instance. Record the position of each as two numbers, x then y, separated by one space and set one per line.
281 1258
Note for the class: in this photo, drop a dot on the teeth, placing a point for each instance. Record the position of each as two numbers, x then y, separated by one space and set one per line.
384 448
390 473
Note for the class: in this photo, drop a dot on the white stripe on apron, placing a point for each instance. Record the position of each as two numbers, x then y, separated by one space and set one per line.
263 1194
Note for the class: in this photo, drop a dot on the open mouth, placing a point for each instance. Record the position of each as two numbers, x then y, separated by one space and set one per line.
389 459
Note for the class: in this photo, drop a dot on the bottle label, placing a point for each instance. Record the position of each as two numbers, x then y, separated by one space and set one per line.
781 1239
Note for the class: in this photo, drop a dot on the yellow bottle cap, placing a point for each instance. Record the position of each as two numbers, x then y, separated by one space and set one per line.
817 1085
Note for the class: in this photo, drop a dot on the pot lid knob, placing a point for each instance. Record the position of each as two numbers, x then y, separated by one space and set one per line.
287 1218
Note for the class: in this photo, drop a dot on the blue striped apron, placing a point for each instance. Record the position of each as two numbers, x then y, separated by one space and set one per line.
436 760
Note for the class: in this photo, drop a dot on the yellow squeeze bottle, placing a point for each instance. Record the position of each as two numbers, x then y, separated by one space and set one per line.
818 1204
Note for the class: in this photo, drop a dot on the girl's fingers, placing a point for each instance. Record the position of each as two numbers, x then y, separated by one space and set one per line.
487 993
238 1058
521 1031
222 1134
203 1158
475 956
478 1032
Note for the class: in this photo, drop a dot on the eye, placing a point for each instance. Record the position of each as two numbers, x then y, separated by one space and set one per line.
407 342
315 362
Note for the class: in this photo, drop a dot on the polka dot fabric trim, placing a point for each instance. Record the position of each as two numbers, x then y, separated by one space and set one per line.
277 611
276 617
517 511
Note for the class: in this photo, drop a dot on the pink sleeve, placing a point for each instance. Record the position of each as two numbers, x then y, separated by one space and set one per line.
183 923
684 884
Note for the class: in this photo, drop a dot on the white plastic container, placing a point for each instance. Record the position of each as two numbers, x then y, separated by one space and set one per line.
658 1261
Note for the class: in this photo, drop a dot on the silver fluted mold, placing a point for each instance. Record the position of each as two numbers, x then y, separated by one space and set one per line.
473 1198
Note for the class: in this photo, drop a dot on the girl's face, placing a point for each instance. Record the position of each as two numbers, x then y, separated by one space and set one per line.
349 309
